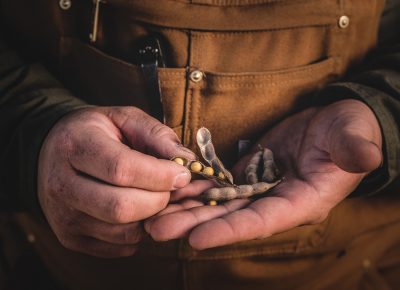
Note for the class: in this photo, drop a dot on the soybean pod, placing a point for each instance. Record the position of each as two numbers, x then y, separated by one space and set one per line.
261 172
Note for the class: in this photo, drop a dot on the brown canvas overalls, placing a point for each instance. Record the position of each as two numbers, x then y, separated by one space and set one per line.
260 60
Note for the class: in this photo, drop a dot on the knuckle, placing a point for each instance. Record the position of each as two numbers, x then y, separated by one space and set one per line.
55 184
117 170
133 111
160 130
132 236
162 202
55 189
64 141
125 113
73 224
121 211
159 233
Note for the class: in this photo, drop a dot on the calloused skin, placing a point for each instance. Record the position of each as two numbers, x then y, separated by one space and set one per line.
101 172
324 154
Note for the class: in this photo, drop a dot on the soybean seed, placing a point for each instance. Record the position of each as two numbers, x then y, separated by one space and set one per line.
208 171
212 202
179 160
196 166
221 175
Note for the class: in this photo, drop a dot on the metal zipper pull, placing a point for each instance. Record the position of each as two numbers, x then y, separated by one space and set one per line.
93 35
150 58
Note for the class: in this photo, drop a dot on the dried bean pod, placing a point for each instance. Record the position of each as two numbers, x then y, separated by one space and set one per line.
220 194
262 187
244 191
241 191
205 173
208 152
252 168
262 159
270 171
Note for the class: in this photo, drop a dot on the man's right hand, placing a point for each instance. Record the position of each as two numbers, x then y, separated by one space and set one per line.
99 176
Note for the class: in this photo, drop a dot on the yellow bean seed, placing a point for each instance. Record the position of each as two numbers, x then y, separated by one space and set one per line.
212 202
221 175
179 160
196 166
208 171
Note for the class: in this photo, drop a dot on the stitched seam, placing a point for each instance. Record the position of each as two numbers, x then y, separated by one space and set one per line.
188 117
215 34
271 83
262 3
278 83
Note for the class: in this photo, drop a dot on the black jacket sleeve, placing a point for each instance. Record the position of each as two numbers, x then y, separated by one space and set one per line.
377 83
31 101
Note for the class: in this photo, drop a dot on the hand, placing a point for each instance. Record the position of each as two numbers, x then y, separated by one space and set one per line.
323 153
97 179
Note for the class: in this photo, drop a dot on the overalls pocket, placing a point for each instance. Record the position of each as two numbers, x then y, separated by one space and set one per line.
102 79
235 106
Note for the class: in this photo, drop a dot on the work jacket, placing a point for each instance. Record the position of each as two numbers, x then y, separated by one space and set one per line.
236 67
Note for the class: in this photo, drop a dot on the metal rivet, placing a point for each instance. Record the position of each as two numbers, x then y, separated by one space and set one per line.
366 263
196 76
344 21
31 238
65 4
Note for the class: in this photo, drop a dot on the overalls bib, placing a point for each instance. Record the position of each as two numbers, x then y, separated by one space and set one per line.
236 67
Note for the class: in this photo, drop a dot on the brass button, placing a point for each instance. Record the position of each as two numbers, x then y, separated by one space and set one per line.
31 238
366 263
196 76
344 21
65 4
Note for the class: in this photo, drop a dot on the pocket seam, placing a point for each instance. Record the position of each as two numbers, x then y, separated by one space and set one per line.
267 78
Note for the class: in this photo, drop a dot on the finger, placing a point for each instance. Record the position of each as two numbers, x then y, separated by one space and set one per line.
262 218
97 248
109 160
355 154
178 224
175 207
172 208
194 188
114 204
125 234
147 133
354 137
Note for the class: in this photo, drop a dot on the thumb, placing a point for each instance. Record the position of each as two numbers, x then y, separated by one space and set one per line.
162 141
354 153
147 134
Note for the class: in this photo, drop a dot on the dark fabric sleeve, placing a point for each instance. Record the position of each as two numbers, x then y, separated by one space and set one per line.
31 101
377 83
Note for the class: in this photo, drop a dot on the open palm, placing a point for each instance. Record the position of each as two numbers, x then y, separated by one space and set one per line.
324 153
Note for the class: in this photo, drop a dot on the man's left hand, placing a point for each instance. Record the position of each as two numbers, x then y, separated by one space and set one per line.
324 153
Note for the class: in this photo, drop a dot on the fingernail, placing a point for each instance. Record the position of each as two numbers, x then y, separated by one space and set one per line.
181 180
